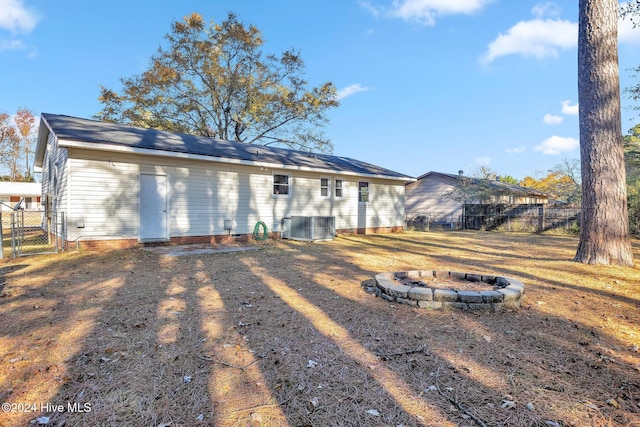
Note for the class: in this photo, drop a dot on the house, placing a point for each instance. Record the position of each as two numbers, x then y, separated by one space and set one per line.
431 194
122 186
11 193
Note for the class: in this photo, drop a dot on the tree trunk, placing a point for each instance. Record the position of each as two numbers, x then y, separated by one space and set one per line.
604 227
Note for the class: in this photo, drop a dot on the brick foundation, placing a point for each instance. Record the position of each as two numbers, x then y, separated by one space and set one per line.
371 230
97 245
119 244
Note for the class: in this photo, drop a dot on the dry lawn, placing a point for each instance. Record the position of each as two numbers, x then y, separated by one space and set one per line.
289 336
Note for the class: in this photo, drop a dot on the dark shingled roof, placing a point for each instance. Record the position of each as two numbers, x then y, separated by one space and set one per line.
68 128
512 188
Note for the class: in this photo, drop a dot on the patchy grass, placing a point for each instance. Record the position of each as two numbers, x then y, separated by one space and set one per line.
288 335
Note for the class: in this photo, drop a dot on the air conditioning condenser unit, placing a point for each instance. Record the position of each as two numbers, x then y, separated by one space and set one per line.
309 228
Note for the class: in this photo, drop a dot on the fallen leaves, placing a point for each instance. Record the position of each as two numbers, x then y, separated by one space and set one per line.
591 405
43 420
533 354
614 403
508 404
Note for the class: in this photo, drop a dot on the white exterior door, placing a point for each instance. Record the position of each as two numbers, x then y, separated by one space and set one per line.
153 208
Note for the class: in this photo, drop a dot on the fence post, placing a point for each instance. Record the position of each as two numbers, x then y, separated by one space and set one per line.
1 237
13 235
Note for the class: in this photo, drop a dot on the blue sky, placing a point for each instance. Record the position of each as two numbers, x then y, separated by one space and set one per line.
425 85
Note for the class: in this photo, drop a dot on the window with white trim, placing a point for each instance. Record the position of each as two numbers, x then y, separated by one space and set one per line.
338 188
363 192
281 185
324 187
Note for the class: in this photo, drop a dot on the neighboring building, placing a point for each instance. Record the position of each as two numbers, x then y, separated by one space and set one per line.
122 185
429 195
11 193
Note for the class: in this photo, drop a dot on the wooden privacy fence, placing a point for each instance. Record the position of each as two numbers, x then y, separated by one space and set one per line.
503 217
533 218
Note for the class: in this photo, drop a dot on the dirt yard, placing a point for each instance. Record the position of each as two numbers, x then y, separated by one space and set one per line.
288 335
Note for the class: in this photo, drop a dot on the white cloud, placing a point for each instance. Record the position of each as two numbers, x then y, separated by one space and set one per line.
557 145
15 17
546 9
11 45
350 90
484 161
426 11
520 149
537 38
570 110
626 33
540 38
375 11
550 119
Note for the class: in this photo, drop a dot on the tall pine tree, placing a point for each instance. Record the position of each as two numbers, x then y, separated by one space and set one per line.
604 228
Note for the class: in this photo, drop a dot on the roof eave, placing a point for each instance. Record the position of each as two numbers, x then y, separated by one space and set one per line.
179 155
41 146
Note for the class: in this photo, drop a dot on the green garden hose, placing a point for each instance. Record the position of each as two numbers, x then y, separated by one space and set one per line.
256 231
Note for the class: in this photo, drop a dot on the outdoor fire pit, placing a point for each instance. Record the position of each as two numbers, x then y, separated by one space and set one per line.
436 289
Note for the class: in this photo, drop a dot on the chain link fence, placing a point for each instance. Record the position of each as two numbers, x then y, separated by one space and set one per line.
31 232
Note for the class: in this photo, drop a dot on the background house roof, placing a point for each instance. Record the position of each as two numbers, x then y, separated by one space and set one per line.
20 188
105 135
515 189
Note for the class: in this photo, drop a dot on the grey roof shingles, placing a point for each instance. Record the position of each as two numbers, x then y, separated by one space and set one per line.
515 189
95 132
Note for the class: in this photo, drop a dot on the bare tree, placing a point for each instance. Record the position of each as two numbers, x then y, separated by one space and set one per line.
631 10
9 146
604 230
17 137
569 180
25 123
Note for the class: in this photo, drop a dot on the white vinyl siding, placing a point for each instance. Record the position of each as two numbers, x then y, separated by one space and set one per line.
105 199
55 175
202 195
428 196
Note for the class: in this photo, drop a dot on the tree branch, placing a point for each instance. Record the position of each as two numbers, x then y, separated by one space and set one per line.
385 356
457 404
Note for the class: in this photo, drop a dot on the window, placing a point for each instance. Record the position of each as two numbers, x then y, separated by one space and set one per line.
324 187
49 163
55 180
338 188
280 185
363 192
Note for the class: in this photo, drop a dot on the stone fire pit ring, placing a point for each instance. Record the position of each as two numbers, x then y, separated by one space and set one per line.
408 287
